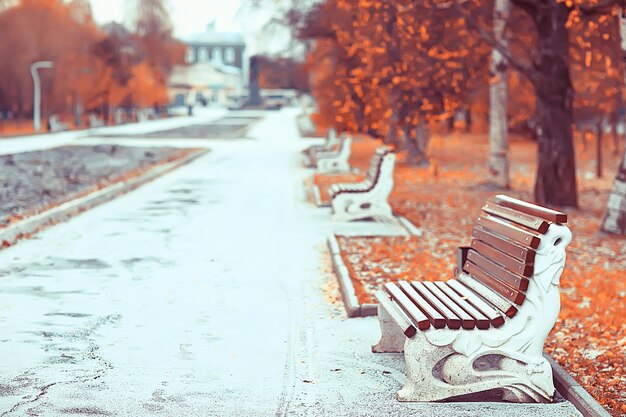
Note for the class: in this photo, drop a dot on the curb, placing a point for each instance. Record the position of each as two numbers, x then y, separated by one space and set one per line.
350 300
348 294
573 392
34 224
318 197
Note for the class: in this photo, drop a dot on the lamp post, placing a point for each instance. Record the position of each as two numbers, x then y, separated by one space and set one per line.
37 91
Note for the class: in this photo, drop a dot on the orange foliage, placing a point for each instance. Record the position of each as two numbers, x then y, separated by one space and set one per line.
385 67
93 71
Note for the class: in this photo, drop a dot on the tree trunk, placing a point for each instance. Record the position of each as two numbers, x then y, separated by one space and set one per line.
498 99
599 150
468 119
615 219
614 123
556 169
450 122
417 144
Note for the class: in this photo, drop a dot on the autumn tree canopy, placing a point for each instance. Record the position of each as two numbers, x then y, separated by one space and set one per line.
95 68
391 68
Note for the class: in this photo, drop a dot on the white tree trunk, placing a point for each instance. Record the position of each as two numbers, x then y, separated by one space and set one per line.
498 99
615 219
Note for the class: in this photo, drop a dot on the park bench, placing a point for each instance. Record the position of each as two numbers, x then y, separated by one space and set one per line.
481 334
94 121
120 116
335 160
56 125
309 154
367 199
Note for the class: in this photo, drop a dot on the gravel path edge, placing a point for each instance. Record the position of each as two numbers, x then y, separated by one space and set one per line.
29 226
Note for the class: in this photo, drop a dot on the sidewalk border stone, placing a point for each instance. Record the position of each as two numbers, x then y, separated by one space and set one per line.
574 392
318 198
36 223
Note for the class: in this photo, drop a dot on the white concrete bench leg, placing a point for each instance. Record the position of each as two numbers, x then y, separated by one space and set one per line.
391 337
435 373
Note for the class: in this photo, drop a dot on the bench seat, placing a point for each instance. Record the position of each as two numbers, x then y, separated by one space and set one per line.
501 305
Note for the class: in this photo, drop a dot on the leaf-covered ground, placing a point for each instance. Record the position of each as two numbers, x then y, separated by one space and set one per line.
589 339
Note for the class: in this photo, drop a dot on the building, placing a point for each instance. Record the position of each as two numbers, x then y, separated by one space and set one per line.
215 69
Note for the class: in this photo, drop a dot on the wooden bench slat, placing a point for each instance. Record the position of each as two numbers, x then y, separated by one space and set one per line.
503 259
452 320
481 320
495 284
509 230
436 319
418 318
532 209
396 314
521 253
495 317
467 321
497 271
524 219
488 294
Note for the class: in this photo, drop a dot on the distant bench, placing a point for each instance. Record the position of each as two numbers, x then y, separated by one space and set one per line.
483 331
367 199
309 154
334 160
56 125
94 121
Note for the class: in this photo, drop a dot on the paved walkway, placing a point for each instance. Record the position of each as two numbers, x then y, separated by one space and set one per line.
200 294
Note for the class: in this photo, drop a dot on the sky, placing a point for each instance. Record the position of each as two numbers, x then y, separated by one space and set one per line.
188 16
193 16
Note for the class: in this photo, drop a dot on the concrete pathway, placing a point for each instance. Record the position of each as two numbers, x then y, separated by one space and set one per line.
204 293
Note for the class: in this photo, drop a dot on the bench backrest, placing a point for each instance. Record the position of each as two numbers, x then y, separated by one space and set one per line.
505 240
374 168
331 138
345 143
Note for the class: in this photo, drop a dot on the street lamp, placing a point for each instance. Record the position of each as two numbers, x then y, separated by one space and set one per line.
37 91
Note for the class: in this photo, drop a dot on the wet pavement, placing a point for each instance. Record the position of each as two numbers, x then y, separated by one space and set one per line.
199 294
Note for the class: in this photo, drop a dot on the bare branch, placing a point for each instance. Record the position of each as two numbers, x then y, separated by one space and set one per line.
602 7
487 36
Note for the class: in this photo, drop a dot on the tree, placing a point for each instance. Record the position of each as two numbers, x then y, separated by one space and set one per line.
615 219
393 68
498 100
156 43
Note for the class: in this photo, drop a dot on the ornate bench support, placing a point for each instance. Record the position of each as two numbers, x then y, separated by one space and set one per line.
373 203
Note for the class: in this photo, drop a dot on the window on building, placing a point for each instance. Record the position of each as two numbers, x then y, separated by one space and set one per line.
229 55
203 54
191 55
